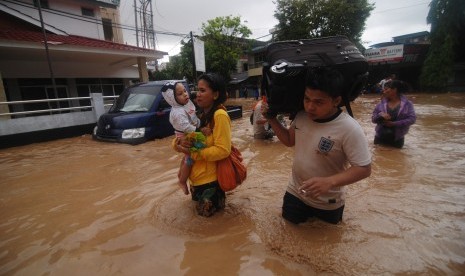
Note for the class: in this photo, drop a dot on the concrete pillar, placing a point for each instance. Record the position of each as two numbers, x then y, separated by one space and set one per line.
72 91
15 94
96 100
4 107
143 73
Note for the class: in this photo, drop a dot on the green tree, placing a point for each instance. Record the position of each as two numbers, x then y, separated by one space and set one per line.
225 41
179 66
304 19
447 19
159 75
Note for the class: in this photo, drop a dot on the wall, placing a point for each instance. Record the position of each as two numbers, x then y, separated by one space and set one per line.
64 15
55 121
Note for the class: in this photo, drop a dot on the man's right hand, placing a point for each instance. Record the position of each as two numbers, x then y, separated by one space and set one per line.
265 111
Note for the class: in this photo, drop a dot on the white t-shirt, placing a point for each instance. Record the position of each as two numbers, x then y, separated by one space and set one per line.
383 82
324 149
260 131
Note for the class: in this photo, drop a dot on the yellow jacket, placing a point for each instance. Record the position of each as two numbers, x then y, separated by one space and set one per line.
218 146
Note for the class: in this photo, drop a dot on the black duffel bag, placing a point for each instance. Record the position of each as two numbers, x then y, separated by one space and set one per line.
287 63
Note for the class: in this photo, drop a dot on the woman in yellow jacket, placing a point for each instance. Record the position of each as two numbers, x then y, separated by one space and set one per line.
203 178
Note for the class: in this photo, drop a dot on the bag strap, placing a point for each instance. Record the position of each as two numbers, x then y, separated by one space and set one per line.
346 101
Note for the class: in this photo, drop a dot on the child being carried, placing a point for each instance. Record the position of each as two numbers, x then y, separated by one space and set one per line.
184 120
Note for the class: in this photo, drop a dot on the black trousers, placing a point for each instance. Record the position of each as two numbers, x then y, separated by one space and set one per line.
296 211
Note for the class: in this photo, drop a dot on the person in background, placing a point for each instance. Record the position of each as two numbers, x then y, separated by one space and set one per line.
331 151
394 115
205 190
261 128
378 89
184 120
385 80
256 93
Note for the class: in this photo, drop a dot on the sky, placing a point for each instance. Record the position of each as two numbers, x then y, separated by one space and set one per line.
389 18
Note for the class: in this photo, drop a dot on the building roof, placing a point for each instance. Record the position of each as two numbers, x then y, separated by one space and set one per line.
397 38
384 44
412 35
23 53
72 40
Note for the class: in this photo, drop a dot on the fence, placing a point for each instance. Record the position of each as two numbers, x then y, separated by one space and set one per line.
85 115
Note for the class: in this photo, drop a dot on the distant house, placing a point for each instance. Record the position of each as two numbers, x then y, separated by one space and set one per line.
413 38
249 69
67 48
403 56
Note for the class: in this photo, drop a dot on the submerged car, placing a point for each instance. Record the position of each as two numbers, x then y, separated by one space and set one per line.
141 114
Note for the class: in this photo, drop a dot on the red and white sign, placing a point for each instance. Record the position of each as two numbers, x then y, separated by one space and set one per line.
385 54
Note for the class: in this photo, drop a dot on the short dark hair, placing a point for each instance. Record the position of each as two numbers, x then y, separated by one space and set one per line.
401 86
326 79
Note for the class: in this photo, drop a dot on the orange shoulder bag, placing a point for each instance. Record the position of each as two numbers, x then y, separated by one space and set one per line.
231 171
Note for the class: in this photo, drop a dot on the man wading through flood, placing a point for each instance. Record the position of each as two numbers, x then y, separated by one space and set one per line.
331 151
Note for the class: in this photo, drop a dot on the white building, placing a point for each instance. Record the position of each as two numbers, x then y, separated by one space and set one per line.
83 52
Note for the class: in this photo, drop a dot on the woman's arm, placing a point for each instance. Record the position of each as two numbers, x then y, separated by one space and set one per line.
408 117
377 116
181 145
221 147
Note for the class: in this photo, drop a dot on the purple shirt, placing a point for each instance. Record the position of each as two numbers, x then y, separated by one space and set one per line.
405 117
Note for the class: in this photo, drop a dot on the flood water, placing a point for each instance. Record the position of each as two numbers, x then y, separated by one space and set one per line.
81 207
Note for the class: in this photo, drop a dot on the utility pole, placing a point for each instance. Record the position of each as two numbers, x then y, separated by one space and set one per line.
152 29
47 52
137 28
194 70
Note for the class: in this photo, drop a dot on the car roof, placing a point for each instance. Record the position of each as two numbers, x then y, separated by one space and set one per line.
151 87
156 83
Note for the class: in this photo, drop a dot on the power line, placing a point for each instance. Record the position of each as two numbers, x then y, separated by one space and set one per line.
261 37
91 20
405 7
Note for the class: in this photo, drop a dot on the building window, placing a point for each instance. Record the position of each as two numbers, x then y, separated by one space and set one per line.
41 89
259 58
108 87
107 29
87 12
43 4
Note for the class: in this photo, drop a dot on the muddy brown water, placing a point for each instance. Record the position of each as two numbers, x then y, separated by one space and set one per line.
81 207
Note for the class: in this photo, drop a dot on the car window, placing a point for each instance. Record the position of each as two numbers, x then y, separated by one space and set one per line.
140 98
163 104
136 99
138 102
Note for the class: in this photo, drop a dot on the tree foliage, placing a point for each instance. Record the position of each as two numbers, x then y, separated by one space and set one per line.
179 66
304 19
225 41
447 19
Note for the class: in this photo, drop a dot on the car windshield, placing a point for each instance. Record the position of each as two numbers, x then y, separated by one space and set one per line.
137 99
